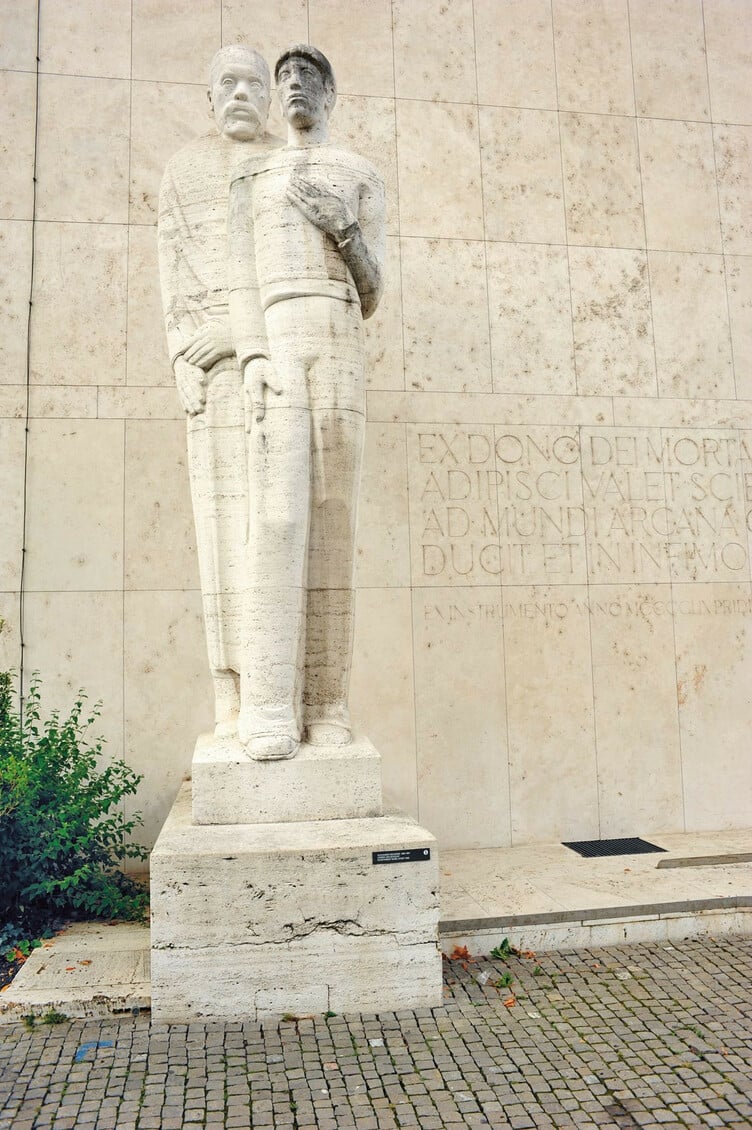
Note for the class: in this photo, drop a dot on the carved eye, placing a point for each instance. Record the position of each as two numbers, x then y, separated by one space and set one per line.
227 82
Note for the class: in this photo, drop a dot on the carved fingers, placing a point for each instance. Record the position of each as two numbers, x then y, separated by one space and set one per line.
323 208
259 379
211 342
191 384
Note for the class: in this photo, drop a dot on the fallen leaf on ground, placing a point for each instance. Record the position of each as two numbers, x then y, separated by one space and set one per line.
510 1002
461 953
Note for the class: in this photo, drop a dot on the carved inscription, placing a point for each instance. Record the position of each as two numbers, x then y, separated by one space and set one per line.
572 505
461 613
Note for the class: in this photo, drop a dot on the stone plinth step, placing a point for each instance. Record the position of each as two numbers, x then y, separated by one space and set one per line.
319 783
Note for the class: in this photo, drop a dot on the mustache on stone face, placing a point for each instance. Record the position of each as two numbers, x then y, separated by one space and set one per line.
246 107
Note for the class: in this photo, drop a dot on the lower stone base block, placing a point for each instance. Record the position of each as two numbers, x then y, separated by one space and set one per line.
252 921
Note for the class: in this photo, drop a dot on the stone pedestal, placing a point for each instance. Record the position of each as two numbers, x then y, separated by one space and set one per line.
284 912
320 783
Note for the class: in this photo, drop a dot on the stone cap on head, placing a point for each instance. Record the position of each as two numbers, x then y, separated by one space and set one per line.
318 58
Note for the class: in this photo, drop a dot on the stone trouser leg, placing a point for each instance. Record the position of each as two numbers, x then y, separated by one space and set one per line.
279 477
337 442
216 464
304 469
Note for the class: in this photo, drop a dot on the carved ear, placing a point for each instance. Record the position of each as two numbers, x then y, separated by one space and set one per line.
210 110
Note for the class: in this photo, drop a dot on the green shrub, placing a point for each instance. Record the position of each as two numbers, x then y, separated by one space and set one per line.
62 832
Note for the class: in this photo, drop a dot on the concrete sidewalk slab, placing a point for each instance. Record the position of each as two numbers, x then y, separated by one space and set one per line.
547 897
90 969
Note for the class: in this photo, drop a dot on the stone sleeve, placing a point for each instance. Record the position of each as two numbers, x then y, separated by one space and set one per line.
246 314
369 275
172 234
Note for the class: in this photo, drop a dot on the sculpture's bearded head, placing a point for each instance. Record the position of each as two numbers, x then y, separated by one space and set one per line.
305 86
239 95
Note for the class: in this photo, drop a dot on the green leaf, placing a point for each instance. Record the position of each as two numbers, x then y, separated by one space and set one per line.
62 834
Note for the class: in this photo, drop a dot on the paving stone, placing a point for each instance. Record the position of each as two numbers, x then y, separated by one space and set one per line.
668 1046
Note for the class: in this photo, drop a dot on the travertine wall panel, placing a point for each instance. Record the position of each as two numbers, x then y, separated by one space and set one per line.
515 53
728 60
383 560
170 41
739 280
638 752
15 275
612 322
368 125
554 547
82 173
79 265
75 640
87 38
602 180
158 530
163 632
670 70
530 312
434 50
370 69
9 629
18 43
733 153
75 524
693 355
17 97
678 185
712 624
11 512
147 357
270 27
523 195
453 744
550 710
138 403
382 691
439 136
593 61
448 321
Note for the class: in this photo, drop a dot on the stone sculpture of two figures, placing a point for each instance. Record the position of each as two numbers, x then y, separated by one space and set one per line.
270 258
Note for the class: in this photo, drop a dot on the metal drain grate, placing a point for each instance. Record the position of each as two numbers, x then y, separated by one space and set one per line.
593 849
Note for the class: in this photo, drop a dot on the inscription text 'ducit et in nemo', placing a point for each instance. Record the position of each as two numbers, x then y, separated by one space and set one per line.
573 505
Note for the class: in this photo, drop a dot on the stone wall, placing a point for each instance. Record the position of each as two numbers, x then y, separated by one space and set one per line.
554 590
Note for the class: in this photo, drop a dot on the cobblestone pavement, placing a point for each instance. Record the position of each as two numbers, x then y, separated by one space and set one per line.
650 1035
